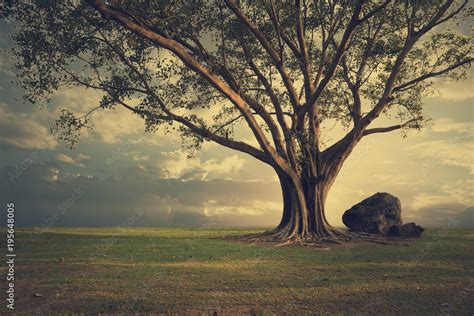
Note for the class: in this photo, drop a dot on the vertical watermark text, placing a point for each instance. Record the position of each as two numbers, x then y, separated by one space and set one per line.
10 255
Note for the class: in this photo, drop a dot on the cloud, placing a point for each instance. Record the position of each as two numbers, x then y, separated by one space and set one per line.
110 126
177 164
457 192
162 201
28 176
82 157
22 131
446 125
213 208
69 160
5 63
447 215
455 150
454 91
447 153
115 125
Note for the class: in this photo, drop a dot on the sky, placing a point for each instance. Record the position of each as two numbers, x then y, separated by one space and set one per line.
120 175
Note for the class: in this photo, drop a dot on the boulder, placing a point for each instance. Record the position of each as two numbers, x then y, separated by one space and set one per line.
374 215
411 230
394 230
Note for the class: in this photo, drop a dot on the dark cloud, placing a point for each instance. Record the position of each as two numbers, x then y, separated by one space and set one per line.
45 197
23 132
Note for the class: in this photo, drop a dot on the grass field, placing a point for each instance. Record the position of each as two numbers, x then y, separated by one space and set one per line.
195 271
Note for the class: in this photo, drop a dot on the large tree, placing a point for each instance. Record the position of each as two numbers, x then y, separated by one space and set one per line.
277 68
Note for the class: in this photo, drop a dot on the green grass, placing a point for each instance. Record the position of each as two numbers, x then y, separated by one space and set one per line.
193 271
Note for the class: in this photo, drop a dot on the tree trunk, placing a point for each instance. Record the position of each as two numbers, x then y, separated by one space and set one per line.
303 210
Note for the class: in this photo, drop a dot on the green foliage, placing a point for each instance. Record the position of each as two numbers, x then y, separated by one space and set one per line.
62 44
68 127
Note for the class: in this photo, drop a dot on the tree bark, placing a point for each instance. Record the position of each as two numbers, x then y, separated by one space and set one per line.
303 217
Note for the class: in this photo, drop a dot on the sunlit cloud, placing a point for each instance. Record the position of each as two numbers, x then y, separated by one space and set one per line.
454 91
445 125
448 152
69 160
177 164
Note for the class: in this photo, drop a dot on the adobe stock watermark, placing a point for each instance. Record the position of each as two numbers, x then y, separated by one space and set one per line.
61 209
24 164
10 255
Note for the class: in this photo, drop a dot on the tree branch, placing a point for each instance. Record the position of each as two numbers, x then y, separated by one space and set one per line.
354 21
406 85
435 19
285 37
304 56
239 146
388 128
269 49
411 39
453 14
374 11
173 46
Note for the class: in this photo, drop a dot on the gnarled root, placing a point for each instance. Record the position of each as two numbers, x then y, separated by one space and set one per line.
330 237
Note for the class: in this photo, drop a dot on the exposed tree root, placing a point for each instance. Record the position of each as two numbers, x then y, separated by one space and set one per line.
330 238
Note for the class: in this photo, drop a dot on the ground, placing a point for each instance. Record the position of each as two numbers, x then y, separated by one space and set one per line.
197 272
